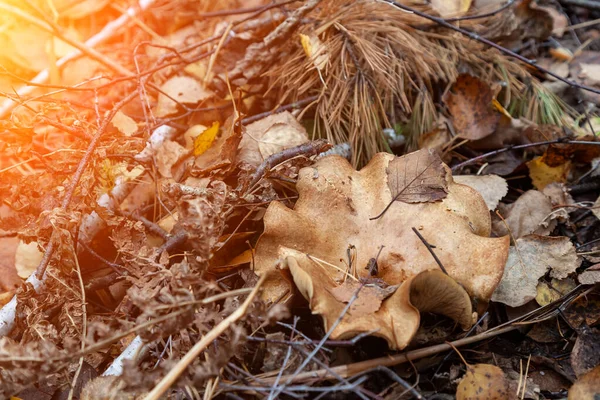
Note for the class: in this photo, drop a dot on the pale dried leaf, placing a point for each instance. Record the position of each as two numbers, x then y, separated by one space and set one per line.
530 214
491 187
27 258
530 259
167 155
596 208
590 276
591 72
124 124
184 90
270 135
451 8
78 9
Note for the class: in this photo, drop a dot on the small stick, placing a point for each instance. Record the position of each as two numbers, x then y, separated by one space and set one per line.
521 146
430 248
389 361
307 149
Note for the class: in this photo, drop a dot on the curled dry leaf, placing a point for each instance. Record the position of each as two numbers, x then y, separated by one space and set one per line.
469 102
220 157
483 381
530 259
491 187
335 211
530 214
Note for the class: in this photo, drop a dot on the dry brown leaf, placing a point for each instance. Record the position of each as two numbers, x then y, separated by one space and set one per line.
586 351
417 177
491 187
559 19
270 135
469 102
184 90
483 382
587 387
335 210
528 215
530 259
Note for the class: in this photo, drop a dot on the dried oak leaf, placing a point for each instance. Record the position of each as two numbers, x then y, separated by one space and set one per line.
469 102
335 211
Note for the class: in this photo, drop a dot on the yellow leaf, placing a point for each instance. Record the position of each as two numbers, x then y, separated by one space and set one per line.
483 381
204 140
315 50
542 174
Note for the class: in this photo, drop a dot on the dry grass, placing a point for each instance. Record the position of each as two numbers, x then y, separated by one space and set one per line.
383 71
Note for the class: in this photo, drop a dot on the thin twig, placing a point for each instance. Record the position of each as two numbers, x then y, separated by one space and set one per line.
291 378
430 248
389 361
83 317
77 177
307 149
521 146
291 106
